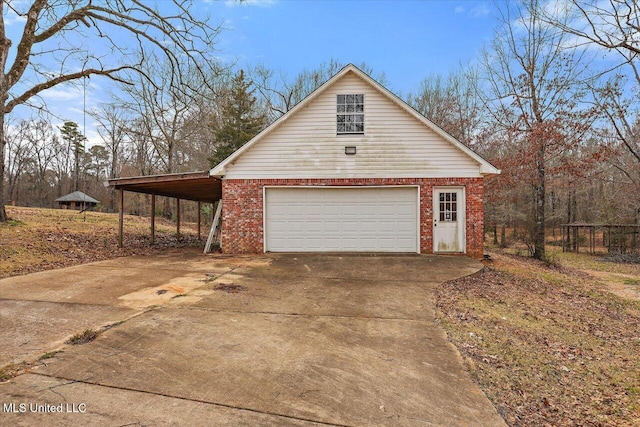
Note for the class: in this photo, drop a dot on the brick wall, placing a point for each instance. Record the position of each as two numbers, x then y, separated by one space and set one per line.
242 218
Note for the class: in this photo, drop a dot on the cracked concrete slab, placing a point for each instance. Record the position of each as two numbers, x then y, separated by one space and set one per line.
94 405
104 282
353 286
329 339
39 311
32 328
333 370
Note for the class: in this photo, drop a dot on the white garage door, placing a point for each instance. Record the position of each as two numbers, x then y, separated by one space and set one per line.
381 219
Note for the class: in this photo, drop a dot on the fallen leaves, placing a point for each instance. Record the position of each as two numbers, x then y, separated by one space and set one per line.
546 344
44 239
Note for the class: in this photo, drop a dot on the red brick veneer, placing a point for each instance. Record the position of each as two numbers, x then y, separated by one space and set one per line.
242 219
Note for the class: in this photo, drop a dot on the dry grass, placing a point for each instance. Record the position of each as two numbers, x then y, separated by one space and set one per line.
41 239
83 337
548 345
591 262
11 371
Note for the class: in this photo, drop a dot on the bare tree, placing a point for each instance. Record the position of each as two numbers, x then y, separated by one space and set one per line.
621 110
621 138
280 94
45 150
611 24
165 111
167 115
139 153
452 102
17 157
112 127
534 92
69 32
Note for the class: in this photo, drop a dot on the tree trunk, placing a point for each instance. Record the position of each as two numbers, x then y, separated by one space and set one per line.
14 191
539 190
5 44
76 171
166 208
112 175
569 221
3 213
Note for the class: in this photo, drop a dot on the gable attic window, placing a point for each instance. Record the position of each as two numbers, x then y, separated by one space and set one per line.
350 114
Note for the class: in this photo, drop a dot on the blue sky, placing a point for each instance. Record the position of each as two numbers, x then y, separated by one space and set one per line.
406 40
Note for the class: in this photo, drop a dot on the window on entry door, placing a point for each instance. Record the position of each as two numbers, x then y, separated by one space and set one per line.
448 207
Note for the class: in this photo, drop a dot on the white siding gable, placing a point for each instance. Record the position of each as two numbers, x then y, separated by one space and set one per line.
395 144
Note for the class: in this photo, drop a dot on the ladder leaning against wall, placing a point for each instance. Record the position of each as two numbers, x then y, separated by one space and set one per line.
214 233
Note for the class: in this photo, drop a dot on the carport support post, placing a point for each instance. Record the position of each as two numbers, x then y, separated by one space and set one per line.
121 217
153 219
199 236
178 217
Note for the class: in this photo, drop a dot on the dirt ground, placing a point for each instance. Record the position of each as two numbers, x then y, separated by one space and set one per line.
621 284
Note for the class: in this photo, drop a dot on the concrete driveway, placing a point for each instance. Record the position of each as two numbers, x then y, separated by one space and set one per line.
283 340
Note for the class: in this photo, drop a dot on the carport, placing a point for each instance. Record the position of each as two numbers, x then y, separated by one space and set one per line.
199 187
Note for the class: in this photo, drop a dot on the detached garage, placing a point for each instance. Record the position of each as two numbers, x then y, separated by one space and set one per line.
352 168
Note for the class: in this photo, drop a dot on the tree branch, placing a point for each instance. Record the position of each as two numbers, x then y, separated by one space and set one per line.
24 47
36 89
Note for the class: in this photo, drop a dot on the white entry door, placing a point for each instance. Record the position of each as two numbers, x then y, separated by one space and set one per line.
449 222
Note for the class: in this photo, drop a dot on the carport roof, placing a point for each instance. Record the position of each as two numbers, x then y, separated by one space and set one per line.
196 186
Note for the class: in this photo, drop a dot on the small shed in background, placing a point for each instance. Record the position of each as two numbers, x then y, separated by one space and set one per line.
77 200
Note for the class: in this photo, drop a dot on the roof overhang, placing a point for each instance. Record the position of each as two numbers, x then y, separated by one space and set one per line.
196 186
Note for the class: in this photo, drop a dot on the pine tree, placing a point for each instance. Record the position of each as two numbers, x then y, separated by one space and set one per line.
75 141
239 122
